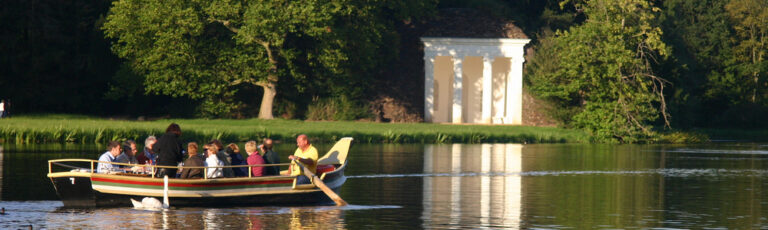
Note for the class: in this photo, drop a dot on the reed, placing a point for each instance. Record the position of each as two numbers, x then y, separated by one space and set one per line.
82 129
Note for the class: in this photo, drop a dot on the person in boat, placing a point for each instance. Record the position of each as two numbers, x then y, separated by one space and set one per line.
148 156
233 151
113 150
194 160
212 162
270 157
168 150
224 157
254 159
129 153
307 155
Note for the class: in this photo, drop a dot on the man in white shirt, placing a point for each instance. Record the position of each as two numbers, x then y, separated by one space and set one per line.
113 151
212 162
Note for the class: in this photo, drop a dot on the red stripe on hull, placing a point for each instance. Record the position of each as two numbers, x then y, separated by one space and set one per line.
192 185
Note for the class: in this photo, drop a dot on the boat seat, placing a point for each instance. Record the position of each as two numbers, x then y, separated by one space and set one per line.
304 186
324 169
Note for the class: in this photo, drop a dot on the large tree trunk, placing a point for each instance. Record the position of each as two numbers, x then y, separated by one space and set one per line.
267 101
270 88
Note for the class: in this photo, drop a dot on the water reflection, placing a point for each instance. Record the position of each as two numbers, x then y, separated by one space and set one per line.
481 200
194 218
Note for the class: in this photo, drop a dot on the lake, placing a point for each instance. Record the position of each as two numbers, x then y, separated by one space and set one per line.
414 186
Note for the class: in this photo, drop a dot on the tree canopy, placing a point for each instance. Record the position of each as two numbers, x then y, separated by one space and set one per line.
209 49
603 71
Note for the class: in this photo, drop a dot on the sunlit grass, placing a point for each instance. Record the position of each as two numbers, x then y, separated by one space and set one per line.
86 129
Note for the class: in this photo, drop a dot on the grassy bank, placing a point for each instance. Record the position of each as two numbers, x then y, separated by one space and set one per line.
83 129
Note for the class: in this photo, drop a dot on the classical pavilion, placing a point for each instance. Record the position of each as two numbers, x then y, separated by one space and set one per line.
473 70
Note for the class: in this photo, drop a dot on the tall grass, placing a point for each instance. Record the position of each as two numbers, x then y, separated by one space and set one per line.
81 129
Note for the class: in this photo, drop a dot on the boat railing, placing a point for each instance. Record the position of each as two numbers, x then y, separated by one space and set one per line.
148 169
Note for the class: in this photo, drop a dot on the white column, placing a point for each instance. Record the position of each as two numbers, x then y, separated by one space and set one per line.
487 89
429 87
458 73
517 86
514 113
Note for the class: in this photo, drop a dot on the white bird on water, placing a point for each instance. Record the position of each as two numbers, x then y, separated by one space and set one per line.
151 202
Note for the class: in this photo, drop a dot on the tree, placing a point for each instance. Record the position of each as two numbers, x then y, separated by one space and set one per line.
750 23
604 70
210 49
698 32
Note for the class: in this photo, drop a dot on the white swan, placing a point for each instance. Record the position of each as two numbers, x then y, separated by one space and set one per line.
154 203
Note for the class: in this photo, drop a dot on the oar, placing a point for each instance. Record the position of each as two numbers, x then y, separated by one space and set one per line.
319 183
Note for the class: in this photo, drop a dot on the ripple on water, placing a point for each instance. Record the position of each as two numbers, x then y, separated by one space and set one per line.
718 151
666 172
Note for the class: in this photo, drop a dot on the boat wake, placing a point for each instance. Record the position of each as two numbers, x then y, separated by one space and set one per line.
668 172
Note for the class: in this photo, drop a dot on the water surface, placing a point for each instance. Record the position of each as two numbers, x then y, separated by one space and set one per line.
455 186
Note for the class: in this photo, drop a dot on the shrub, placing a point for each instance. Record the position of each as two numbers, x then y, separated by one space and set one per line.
336 109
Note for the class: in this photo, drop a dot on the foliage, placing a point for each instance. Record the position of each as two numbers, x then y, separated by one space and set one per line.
750 25
713 64
604 70
336 109
699 52
208 49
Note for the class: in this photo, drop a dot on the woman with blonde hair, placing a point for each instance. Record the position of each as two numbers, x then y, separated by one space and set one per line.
254 159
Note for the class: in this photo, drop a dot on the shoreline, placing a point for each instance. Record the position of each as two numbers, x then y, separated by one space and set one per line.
56 128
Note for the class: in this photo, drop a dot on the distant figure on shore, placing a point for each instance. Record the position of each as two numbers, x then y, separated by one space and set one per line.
270 157
307 155
2 108
224 157
194 160
113 150
129 153
212 161
148 156
168 150
254 159
7 108
236 159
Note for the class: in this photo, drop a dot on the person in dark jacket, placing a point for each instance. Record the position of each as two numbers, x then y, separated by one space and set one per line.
237 159
168 150
194 160
270 157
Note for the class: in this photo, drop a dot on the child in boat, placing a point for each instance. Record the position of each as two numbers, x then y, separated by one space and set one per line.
193 161
254 159
212 162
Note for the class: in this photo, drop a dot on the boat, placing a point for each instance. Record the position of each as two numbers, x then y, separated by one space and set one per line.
82 187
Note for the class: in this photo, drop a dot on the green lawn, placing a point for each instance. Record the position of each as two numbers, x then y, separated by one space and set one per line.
84 129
